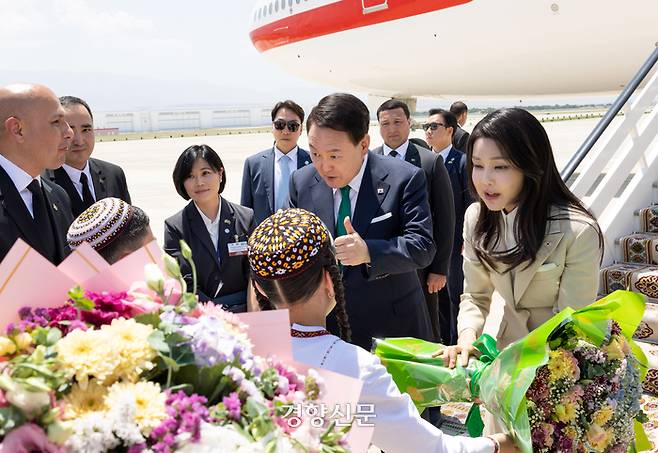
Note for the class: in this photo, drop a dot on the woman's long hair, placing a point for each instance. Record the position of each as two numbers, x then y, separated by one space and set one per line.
524 142
300 287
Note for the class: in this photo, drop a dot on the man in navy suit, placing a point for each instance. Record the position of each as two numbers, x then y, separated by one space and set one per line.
439 131
394 127
85 179
377 210
266 175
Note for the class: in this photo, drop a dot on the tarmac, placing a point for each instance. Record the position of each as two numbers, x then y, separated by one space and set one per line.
148 164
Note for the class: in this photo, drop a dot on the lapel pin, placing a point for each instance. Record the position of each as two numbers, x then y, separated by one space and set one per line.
54 206
380 191
227 221
306 162
227 231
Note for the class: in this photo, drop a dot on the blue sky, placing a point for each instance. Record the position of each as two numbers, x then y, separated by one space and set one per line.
125 54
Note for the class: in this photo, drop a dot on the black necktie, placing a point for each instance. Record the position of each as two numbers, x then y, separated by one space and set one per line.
42 220
87 198
393 153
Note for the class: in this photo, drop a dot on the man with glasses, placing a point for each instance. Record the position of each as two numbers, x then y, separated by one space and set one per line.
394 127
266 175
439 131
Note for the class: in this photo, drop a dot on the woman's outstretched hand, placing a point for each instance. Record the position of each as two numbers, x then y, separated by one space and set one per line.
463 350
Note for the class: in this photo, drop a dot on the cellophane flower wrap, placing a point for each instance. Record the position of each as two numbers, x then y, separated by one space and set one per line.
572 384
96 374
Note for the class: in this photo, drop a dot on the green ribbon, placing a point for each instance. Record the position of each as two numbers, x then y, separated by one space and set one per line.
486 345
502 379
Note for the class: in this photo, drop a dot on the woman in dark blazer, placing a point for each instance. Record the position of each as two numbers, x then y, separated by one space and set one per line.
215 229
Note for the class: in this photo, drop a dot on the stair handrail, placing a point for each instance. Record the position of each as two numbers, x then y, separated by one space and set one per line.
612 112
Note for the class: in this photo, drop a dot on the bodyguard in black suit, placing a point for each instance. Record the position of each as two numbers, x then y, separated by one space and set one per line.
459 135
266 175
455 162
86 180
377 210
215 229
33 137
394 127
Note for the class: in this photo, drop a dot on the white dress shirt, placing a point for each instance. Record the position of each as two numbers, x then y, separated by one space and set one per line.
444 153
355 185
21 180
74 175
401 150
398 426
292 154
212 225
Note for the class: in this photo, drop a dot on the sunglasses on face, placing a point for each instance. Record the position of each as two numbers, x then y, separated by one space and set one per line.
292 125
433 126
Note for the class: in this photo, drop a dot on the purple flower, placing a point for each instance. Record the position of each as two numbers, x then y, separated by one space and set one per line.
233 405
186 413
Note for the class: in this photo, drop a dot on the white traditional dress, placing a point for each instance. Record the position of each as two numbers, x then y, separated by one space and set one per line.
398 426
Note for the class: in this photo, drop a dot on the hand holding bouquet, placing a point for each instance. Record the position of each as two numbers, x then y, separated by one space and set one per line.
573 384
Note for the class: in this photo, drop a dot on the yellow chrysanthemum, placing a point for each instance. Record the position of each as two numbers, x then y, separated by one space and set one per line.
603 415
130 342
82 401
560 365
565 412
86 354
149 402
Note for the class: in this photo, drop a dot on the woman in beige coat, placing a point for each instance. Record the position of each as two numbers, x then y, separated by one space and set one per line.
530 246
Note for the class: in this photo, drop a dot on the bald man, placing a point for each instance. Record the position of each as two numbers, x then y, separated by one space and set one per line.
33 137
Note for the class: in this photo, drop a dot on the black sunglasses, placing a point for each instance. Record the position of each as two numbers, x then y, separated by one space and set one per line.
433 126
292 125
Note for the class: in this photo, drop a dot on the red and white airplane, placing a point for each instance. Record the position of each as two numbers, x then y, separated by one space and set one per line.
406 48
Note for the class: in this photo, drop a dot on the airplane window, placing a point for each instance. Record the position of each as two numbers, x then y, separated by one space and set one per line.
283 5
270 8
298 1
276 5
264 10
290 3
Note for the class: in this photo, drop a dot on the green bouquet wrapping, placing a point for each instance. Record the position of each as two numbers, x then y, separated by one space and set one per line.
573 383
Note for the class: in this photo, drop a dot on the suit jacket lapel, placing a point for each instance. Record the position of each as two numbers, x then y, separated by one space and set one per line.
452 161
323 202
17 211
55 213
524 276
226 230
199 229
98 178
61 178
372 192
268 177
303 159
379 151
412 155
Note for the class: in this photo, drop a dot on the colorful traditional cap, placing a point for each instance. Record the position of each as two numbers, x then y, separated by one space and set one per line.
286 243
100 223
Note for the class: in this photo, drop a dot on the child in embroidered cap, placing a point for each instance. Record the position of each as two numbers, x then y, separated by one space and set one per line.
112 227
294 266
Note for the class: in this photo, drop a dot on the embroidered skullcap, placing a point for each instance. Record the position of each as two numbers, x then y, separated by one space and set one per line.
100 223
287 243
